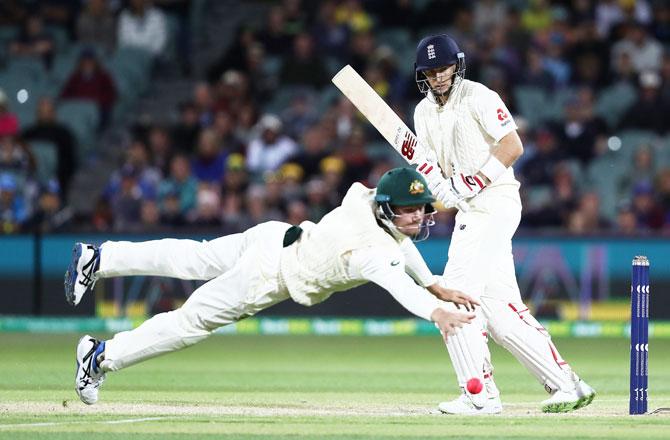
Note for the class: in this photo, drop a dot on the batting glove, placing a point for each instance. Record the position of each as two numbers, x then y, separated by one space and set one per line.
465 186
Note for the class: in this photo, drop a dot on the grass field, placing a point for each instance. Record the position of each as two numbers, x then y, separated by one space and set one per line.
331 387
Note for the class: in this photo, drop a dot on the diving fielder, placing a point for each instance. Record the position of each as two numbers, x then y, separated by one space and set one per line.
367 238
469 131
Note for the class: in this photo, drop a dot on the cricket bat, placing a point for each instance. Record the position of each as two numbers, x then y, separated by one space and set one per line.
384 119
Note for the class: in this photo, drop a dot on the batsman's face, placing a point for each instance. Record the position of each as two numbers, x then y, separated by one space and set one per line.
408 219
440 78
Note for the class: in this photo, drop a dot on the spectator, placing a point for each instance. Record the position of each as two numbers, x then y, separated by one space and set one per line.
537 17
235 55
143 26
209 162
663 190
351 13
590 58
644 50
648 214
181 185
224 127
317 199
333 170
126 201
587 218
642 171
650 111
300 115
186 131
96 26
256 209
50 215
235 179
15 156
539 170
273 36
203 99
355 156
13 209
9 123
150 218
90 81
314 150
160 148
580 127
626 222
145 178
47 128
331 37
303 66
232 91
297 212
34 41
561 203
292 176
180 11
208 208
270 148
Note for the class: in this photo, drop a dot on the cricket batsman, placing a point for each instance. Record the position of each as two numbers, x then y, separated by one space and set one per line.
466 128
367 238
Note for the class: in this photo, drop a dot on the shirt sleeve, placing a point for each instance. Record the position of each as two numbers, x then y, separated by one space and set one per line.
492 114
387 270
415 265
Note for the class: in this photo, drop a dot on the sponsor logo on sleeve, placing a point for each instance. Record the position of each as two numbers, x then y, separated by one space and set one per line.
503 117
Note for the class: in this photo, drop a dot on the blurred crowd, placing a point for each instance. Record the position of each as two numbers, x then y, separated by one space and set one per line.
265 136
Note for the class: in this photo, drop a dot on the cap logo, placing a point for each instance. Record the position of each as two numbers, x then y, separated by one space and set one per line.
416 187
431 51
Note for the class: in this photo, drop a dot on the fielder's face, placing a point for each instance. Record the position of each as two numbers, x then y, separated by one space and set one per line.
440 78
408 219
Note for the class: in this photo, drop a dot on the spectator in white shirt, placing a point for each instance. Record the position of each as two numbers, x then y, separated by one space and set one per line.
269 149
143 26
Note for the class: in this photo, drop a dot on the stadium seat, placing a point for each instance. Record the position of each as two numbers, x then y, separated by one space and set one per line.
532 103
613 102
46 158
82 117
604 174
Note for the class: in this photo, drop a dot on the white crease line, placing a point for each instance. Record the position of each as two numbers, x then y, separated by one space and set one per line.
106 422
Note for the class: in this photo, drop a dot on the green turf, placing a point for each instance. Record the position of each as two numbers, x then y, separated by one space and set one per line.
312 387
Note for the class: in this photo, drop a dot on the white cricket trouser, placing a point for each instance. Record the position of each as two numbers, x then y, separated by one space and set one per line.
243 278
481 264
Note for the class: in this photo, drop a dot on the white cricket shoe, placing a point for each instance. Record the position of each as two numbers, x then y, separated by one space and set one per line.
566 401
465 406
89 375
80 275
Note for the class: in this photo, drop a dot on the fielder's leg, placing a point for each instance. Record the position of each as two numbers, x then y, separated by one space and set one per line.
252 285
175 258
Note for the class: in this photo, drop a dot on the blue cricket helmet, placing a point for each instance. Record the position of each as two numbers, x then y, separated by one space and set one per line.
437 51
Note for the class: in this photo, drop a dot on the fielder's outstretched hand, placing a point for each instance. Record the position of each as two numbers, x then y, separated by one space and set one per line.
455 296
449 322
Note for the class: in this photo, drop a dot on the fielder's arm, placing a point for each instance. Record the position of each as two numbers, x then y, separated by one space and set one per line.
378 267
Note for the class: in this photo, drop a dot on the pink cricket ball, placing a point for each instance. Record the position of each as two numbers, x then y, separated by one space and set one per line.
474 386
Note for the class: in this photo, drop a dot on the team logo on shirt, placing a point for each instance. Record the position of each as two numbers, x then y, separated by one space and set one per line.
502 115
416 187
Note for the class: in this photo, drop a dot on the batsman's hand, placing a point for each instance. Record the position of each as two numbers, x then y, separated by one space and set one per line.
443 190
449 322
467 186
454 296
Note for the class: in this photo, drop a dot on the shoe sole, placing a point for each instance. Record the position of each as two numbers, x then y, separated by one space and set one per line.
569 406
71 275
